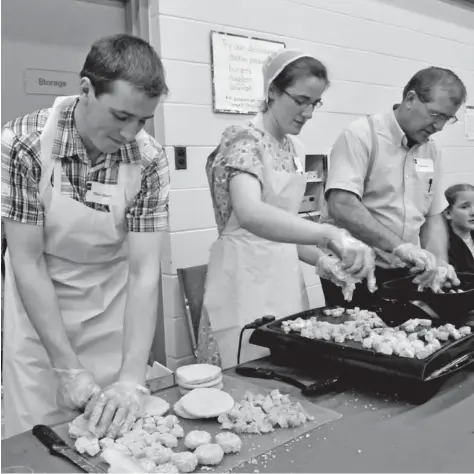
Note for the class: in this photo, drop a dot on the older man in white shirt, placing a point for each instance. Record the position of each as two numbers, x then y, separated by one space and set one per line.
384 184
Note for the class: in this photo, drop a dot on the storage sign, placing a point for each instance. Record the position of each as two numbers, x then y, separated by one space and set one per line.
41 81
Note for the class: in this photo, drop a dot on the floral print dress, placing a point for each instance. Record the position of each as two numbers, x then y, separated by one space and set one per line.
240 151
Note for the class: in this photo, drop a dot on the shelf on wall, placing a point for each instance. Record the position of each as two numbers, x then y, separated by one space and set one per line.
316 169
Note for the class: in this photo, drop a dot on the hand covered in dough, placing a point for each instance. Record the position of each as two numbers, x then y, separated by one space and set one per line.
331 268
115 408
442 276
76 387
416 257
357 258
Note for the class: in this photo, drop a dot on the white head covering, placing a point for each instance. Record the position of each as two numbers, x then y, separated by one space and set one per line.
276 62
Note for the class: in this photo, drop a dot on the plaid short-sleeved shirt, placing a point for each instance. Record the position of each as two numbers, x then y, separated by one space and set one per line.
21 172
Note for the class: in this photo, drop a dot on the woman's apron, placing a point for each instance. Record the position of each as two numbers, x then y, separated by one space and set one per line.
86 258
250 277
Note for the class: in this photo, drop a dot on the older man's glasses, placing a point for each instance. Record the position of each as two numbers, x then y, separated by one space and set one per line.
437 117
304 103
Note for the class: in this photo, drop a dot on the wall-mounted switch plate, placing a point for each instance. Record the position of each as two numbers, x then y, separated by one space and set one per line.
180 158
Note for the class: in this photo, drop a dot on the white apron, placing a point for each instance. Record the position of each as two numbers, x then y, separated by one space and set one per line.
250 277
86 258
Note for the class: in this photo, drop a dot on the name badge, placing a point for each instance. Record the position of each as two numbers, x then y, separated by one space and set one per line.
101 193
424 165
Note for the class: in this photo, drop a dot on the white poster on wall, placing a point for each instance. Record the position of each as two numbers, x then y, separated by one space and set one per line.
469 122
237 82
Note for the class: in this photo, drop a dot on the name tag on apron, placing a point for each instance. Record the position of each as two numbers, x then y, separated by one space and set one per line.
101 193
424 165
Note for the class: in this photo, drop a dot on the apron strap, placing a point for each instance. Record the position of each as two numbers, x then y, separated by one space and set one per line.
57 175
374 150
129 174
47 143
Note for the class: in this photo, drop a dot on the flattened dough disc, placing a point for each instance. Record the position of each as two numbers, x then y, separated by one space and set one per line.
184 391
207 402
197 373
155 406
210 384
179 410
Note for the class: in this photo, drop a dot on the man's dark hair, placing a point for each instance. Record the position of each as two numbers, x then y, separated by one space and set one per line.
126 58
426 79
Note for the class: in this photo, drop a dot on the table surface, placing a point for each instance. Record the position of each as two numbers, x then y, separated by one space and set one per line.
379 432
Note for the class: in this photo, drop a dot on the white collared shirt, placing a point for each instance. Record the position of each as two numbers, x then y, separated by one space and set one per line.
405 184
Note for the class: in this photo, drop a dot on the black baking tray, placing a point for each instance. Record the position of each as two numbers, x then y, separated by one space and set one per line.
351 353
448 306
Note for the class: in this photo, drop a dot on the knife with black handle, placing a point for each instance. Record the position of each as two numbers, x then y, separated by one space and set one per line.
58 447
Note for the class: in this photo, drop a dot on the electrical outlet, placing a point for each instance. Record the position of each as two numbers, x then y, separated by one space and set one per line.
180 159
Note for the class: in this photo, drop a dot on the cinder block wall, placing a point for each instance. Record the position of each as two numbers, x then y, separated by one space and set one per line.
371 48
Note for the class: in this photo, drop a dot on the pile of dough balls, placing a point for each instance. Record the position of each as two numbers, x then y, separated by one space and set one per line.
413 339
210 453
150 441
263 413
152 448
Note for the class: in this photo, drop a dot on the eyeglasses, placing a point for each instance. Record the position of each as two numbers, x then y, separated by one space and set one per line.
437 117
304 103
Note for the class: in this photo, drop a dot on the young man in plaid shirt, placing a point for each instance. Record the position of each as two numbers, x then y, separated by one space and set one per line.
85 206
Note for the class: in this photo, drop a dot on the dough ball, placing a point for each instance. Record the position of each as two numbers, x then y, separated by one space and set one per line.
195 438
79 427
229 442
209 454
163 429
185 461
151 438
158 453
168 440
106 442
168 421
149 428
177 431
167 467
148 465
138 424
138 449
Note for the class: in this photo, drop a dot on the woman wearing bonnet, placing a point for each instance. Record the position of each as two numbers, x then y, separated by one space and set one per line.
257 183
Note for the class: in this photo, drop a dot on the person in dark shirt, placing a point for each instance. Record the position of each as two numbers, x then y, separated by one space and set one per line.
460 217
